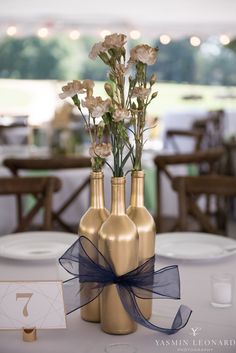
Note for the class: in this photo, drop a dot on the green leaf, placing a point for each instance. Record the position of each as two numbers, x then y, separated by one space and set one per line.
126 158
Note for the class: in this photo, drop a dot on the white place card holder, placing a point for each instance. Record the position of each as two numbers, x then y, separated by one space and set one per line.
32 305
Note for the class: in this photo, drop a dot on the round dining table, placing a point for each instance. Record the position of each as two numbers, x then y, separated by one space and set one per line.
209 329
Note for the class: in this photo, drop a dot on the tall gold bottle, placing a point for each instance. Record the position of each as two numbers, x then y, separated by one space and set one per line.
146 230
89 226
118 242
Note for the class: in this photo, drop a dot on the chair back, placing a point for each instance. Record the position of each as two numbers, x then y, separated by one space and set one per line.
189 190
212 128
52 164
175 136
209 158
42 189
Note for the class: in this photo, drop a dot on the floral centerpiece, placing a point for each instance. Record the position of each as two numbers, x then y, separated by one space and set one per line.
122 113
125 109
130 92
127 105
113 259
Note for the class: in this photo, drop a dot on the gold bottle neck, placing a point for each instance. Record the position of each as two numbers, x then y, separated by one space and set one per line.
97 190
118 195
137 189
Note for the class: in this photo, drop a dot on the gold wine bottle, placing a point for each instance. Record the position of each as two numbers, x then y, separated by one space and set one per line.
146 230
118 242
89 226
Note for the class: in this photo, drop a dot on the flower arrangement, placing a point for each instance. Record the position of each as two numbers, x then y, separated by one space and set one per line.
125 109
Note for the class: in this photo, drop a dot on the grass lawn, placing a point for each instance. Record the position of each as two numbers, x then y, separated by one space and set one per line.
170 97
16 96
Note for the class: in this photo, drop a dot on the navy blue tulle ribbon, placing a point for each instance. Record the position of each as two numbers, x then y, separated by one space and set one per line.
92 272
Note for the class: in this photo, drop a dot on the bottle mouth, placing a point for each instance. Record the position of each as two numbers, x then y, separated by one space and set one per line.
97 175
118 180
138 173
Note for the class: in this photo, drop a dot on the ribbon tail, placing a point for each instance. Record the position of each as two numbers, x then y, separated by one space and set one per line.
131 306
76 294
161 284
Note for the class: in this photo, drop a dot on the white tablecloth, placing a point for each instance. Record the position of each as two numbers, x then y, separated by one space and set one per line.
83 337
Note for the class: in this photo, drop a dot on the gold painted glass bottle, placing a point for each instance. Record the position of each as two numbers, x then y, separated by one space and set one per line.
118 242
146 230
89 226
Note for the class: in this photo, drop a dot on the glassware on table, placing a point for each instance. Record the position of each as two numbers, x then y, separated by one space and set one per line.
120 348
221 290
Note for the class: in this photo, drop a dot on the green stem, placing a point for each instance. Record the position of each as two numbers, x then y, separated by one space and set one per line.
87 125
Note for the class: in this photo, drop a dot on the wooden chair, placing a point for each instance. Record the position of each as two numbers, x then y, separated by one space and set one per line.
212 128
42 188
172 136
52 164
230 147
190 188
230 168
210 158
206 133
8 131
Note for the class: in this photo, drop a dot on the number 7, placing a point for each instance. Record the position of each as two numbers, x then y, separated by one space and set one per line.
22 296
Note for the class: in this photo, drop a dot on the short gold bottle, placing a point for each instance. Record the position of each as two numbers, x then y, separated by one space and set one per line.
89 226
118 242
146 230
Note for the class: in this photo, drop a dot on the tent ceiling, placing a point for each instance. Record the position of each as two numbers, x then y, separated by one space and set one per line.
151 17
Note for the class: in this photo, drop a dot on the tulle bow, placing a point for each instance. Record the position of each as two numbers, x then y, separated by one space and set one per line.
92 272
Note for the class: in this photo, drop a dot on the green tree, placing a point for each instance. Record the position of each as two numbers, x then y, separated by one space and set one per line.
64 59
232 45
34 58
93 69
176 61
215 64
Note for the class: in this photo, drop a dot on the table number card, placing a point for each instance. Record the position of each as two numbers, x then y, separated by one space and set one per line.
30 304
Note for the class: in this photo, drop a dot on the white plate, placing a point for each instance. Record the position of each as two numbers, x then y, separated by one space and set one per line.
194 246
35 245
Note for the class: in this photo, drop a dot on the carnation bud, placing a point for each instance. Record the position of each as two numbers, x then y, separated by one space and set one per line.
153 79
108 89
76 101
154 95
